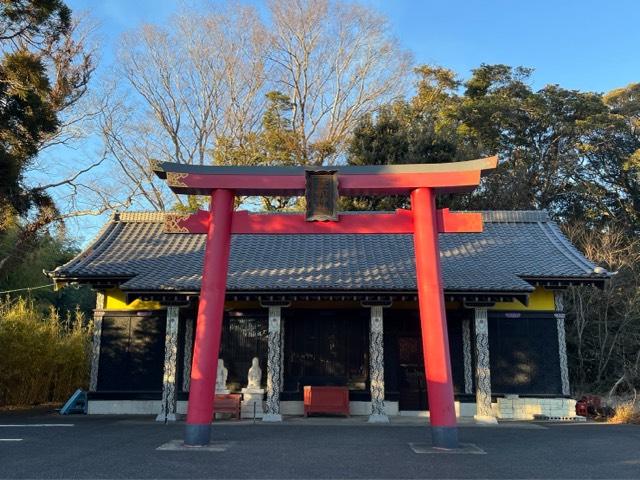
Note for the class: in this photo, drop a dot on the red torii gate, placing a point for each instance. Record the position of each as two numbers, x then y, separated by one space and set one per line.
323 185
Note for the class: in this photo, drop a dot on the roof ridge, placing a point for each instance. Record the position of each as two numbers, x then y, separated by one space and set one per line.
515 216
140 217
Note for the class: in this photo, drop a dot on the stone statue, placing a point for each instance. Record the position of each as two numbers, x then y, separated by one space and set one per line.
221 378
254 376
252 394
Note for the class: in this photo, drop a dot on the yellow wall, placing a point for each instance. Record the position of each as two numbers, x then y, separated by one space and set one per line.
115 300
540 299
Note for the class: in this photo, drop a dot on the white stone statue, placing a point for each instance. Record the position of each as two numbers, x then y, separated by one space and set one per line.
254 377
252 394
221 378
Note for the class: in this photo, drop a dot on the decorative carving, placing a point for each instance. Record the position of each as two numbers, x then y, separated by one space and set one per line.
97 338
466 355
376 364
188 353
483 366
168 405
321 195
221 377
174 179
172 223
273 365
562 343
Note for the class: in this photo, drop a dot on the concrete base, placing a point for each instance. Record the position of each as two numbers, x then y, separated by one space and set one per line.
170 417
378 418
485 419
468 448
179 445
272 417
291 407
252 403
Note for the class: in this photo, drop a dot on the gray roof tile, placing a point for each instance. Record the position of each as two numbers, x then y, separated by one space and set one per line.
513 246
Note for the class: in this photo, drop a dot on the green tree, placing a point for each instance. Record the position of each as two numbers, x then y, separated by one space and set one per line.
43 71
276 143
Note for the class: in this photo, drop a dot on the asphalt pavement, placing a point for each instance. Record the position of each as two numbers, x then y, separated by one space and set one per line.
40 444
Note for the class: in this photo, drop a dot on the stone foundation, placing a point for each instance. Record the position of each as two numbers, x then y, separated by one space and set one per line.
513 407
509 408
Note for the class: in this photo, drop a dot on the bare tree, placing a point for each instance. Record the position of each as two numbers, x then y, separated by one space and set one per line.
604 325
197 89
336 61
182 87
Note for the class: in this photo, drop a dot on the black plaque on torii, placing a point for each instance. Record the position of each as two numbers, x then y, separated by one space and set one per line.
321 194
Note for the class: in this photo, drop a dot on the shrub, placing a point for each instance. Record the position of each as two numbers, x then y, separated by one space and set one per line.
43 358
626 412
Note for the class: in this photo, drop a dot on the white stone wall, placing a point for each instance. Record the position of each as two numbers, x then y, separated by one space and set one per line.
522 408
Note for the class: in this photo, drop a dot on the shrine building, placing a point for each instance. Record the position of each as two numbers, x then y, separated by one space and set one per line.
334 302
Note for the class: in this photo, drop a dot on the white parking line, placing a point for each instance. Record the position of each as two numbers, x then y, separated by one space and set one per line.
10 439
21 425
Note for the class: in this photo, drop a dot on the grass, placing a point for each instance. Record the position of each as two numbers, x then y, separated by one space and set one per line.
627 412
44 357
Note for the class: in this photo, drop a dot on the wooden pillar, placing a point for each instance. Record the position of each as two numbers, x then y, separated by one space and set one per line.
376 365
433 321
274 365
168 405
484 413
562 343
209 322
98 314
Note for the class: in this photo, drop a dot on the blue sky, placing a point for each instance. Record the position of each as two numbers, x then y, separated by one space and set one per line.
585 45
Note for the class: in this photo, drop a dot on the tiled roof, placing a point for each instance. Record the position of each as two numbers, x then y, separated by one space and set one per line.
514 246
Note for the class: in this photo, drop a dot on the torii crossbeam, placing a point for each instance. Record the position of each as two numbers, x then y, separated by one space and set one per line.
322 186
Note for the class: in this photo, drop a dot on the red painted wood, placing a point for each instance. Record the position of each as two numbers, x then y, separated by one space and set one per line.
210 310
458 222
326 400
365 223
348 184
435 342
248 223
228 403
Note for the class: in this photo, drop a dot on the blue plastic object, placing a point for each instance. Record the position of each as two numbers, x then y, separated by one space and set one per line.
77 403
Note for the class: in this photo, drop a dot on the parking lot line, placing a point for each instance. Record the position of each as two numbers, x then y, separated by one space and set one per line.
22 425
10 439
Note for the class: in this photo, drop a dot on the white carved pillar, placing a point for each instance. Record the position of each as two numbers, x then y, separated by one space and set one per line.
98 313
483 368
466 356
168 405
274 375
376 365
562 342
188 354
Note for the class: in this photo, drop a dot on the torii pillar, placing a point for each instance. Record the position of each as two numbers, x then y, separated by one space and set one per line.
322 188
209 321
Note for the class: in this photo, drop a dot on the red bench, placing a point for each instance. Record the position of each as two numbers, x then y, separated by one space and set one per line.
228 403
326 400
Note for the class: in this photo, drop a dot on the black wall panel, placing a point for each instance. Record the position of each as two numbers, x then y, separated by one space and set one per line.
326 348
132 352
523 351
